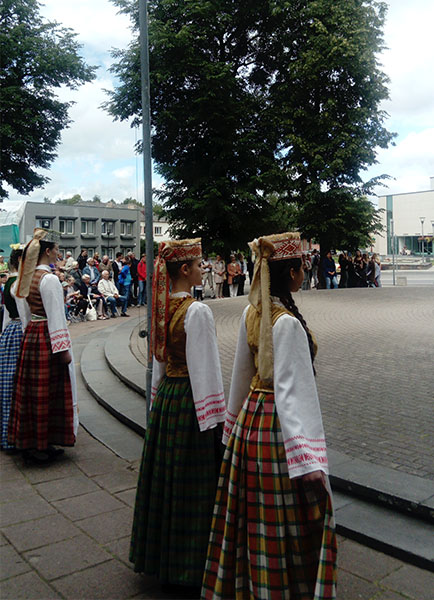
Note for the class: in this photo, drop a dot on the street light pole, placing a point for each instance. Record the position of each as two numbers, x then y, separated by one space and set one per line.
392 232
147 176
422 221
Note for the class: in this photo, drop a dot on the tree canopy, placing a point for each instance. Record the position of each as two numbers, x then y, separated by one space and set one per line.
36 57
258 104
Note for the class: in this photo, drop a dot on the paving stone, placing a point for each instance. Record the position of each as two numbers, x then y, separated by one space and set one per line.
14 489
351 587
27 587
415 583
121 549
64 558
128 496
117 481
11 563
3 540
24 510
101 465
66 488
40 532
109 580
10 472
88 505
389 595
109 525
57 470
365 562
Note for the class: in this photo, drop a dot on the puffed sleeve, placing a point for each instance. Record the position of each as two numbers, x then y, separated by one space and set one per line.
22 307
158 372
242 374
203 363
52 299
296 399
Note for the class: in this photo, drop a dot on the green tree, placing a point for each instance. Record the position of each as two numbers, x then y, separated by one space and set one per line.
75 199
36 58
255 101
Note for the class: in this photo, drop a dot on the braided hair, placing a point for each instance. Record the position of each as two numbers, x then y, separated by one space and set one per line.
280 279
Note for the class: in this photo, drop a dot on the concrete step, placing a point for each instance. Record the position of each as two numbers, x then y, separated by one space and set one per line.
121 360
121 401
385 529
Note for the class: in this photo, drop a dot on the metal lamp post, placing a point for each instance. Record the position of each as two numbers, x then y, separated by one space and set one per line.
147 175
422 221
392 234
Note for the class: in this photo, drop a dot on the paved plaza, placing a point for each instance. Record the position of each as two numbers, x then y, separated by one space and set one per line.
65 528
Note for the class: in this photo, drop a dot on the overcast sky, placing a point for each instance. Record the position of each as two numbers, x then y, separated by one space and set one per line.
96 155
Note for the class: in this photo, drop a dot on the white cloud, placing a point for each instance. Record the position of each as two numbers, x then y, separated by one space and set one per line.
124 173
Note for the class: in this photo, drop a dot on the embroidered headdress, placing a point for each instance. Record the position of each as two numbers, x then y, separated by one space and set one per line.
282 246
170 251
29 262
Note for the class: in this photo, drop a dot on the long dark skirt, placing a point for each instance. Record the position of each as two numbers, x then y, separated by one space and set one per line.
41 411
10 343
176 489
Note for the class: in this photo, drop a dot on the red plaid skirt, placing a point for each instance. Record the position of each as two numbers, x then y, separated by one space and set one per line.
41 411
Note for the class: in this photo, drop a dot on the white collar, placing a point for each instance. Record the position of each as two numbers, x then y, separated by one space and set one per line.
180 295
44 268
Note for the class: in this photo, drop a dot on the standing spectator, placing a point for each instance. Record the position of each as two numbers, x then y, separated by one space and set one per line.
373 272
234 271
44 406
68 262
75 272
107 288
97 259
3 265
82 259
207 274
360 269
329 271
219 270
141 273
134 278
243 275
377 270
307 268
343 263
117 267
92 271
250 268
105 265
315 266
124 280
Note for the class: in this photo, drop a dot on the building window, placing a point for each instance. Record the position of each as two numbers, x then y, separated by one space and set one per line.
88 227
107 227
109 251
90 252
45 223
126 228
158 230
66 226
63 251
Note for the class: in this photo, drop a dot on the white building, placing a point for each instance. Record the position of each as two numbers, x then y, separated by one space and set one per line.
413 217
160 229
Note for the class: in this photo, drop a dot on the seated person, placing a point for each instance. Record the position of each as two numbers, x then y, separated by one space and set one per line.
88 291
92 270
107 288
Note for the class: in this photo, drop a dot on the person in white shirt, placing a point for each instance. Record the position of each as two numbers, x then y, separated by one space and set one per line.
207 277
107 288
273 526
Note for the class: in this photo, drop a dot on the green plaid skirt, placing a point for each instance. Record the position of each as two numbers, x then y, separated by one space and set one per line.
176 489
272 537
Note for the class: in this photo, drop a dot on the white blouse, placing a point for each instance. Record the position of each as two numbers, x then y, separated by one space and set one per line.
295 394
203 364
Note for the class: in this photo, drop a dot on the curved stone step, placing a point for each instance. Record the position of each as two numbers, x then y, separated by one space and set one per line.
120 400
121 360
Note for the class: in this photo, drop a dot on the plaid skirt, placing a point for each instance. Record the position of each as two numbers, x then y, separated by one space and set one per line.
176 489
272 537
41 411
10 343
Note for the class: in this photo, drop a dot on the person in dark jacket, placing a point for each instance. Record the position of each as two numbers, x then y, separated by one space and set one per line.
329 271
82 259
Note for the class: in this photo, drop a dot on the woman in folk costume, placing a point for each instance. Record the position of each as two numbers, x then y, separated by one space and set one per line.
272 535
182 451
44 404
10 344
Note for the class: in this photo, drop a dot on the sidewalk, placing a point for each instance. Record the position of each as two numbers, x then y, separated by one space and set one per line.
65 531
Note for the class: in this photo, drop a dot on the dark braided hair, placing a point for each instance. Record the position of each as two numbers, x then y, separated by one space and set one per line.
14 259
280 279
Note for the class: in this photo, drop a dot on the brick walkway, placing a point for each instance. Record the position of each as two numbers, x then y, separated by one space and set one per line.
375 372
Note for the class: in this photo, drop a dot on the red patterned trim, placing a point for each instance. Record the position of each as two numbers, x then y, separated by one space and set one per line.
285 249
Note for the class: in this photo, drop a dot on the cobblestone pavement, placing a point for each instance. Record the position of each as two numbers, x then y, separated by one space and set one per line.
375 369
65 534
